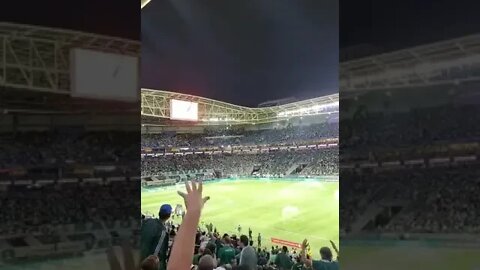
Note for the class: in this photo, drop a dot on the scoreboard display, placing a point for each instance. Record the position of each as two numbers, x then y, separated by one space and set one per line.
183 110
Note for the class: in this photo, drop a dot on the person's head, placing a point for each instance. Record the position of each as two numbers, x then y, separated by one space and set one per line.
150 263
326 253
165 212
243 241
207 262
207 251
284 249
251 242
212 247
226 240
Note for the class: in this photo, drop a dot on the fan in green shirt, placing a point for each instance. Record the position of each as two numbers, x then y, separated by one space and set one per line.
226 253
154 236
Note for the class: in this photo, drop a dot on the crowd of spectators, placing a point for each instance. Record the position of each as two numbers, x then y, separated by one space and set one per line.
412 199
288 135
308 162
426 199
223 251
35 206
27 149
46 155
409 133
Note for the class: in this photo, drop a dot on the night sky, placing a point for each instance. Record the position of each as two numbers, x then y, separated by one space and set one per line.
243 52
392 25
250 51
109 17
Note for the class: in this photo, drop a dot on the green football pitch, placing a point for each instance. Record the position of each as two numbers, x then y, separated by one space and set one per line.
289 210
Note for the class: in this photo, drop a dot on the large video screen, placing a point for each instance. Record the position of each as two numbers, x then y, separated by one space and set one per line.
106 76
183 110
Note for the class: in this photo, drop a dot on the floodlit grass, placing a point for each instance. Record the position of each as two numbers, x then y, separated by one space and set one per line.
288 210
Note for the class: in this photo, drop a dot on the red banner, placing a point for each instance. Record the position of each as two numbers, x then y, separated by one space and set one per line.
286 243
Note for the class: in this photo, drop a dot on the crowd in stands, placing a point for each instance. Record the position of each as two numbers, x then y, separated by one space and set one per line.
215 250
426 198
412 199
308 162
67 147
212 249
288 135
411 133
46 155
35 206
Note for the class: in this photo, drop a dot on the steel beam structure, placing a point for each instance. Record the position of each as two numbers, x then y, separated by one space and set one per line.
425 65
156 103
37 58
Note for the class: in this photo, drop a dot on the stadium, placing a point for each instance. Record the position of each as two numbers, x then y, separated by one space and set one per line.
68 156
281 158
409 141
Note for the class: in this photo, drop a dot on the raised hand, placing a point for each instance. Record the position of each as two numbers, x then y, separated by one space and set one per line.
335 248
193 198
305 244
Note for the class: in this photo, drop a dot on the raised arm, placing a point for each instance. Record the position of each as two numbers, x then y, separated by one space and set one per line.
184 244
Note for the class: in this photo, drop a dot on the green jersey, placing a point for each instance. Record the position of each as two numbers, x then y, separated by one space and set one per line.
226 255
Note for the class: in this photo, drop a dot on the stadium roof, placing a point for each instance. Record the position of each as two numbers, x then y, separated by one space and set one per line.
156 103
35 68
37 58
417 66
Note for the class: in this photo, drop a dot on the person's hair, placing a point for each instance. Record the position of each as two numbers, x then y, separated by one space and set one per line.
244 239
211 246
251 242
285 249
163 216
207 251
150 263
206 262
226 240
326 253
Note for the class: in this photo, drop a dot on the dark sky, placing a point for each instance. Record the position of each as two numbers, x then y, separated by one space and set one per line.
251 51
109 17
393 25
244 52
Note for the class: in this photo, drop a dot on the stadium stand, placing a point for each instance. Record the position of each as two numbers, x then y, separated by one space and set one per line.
67 163
300 146
404 159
